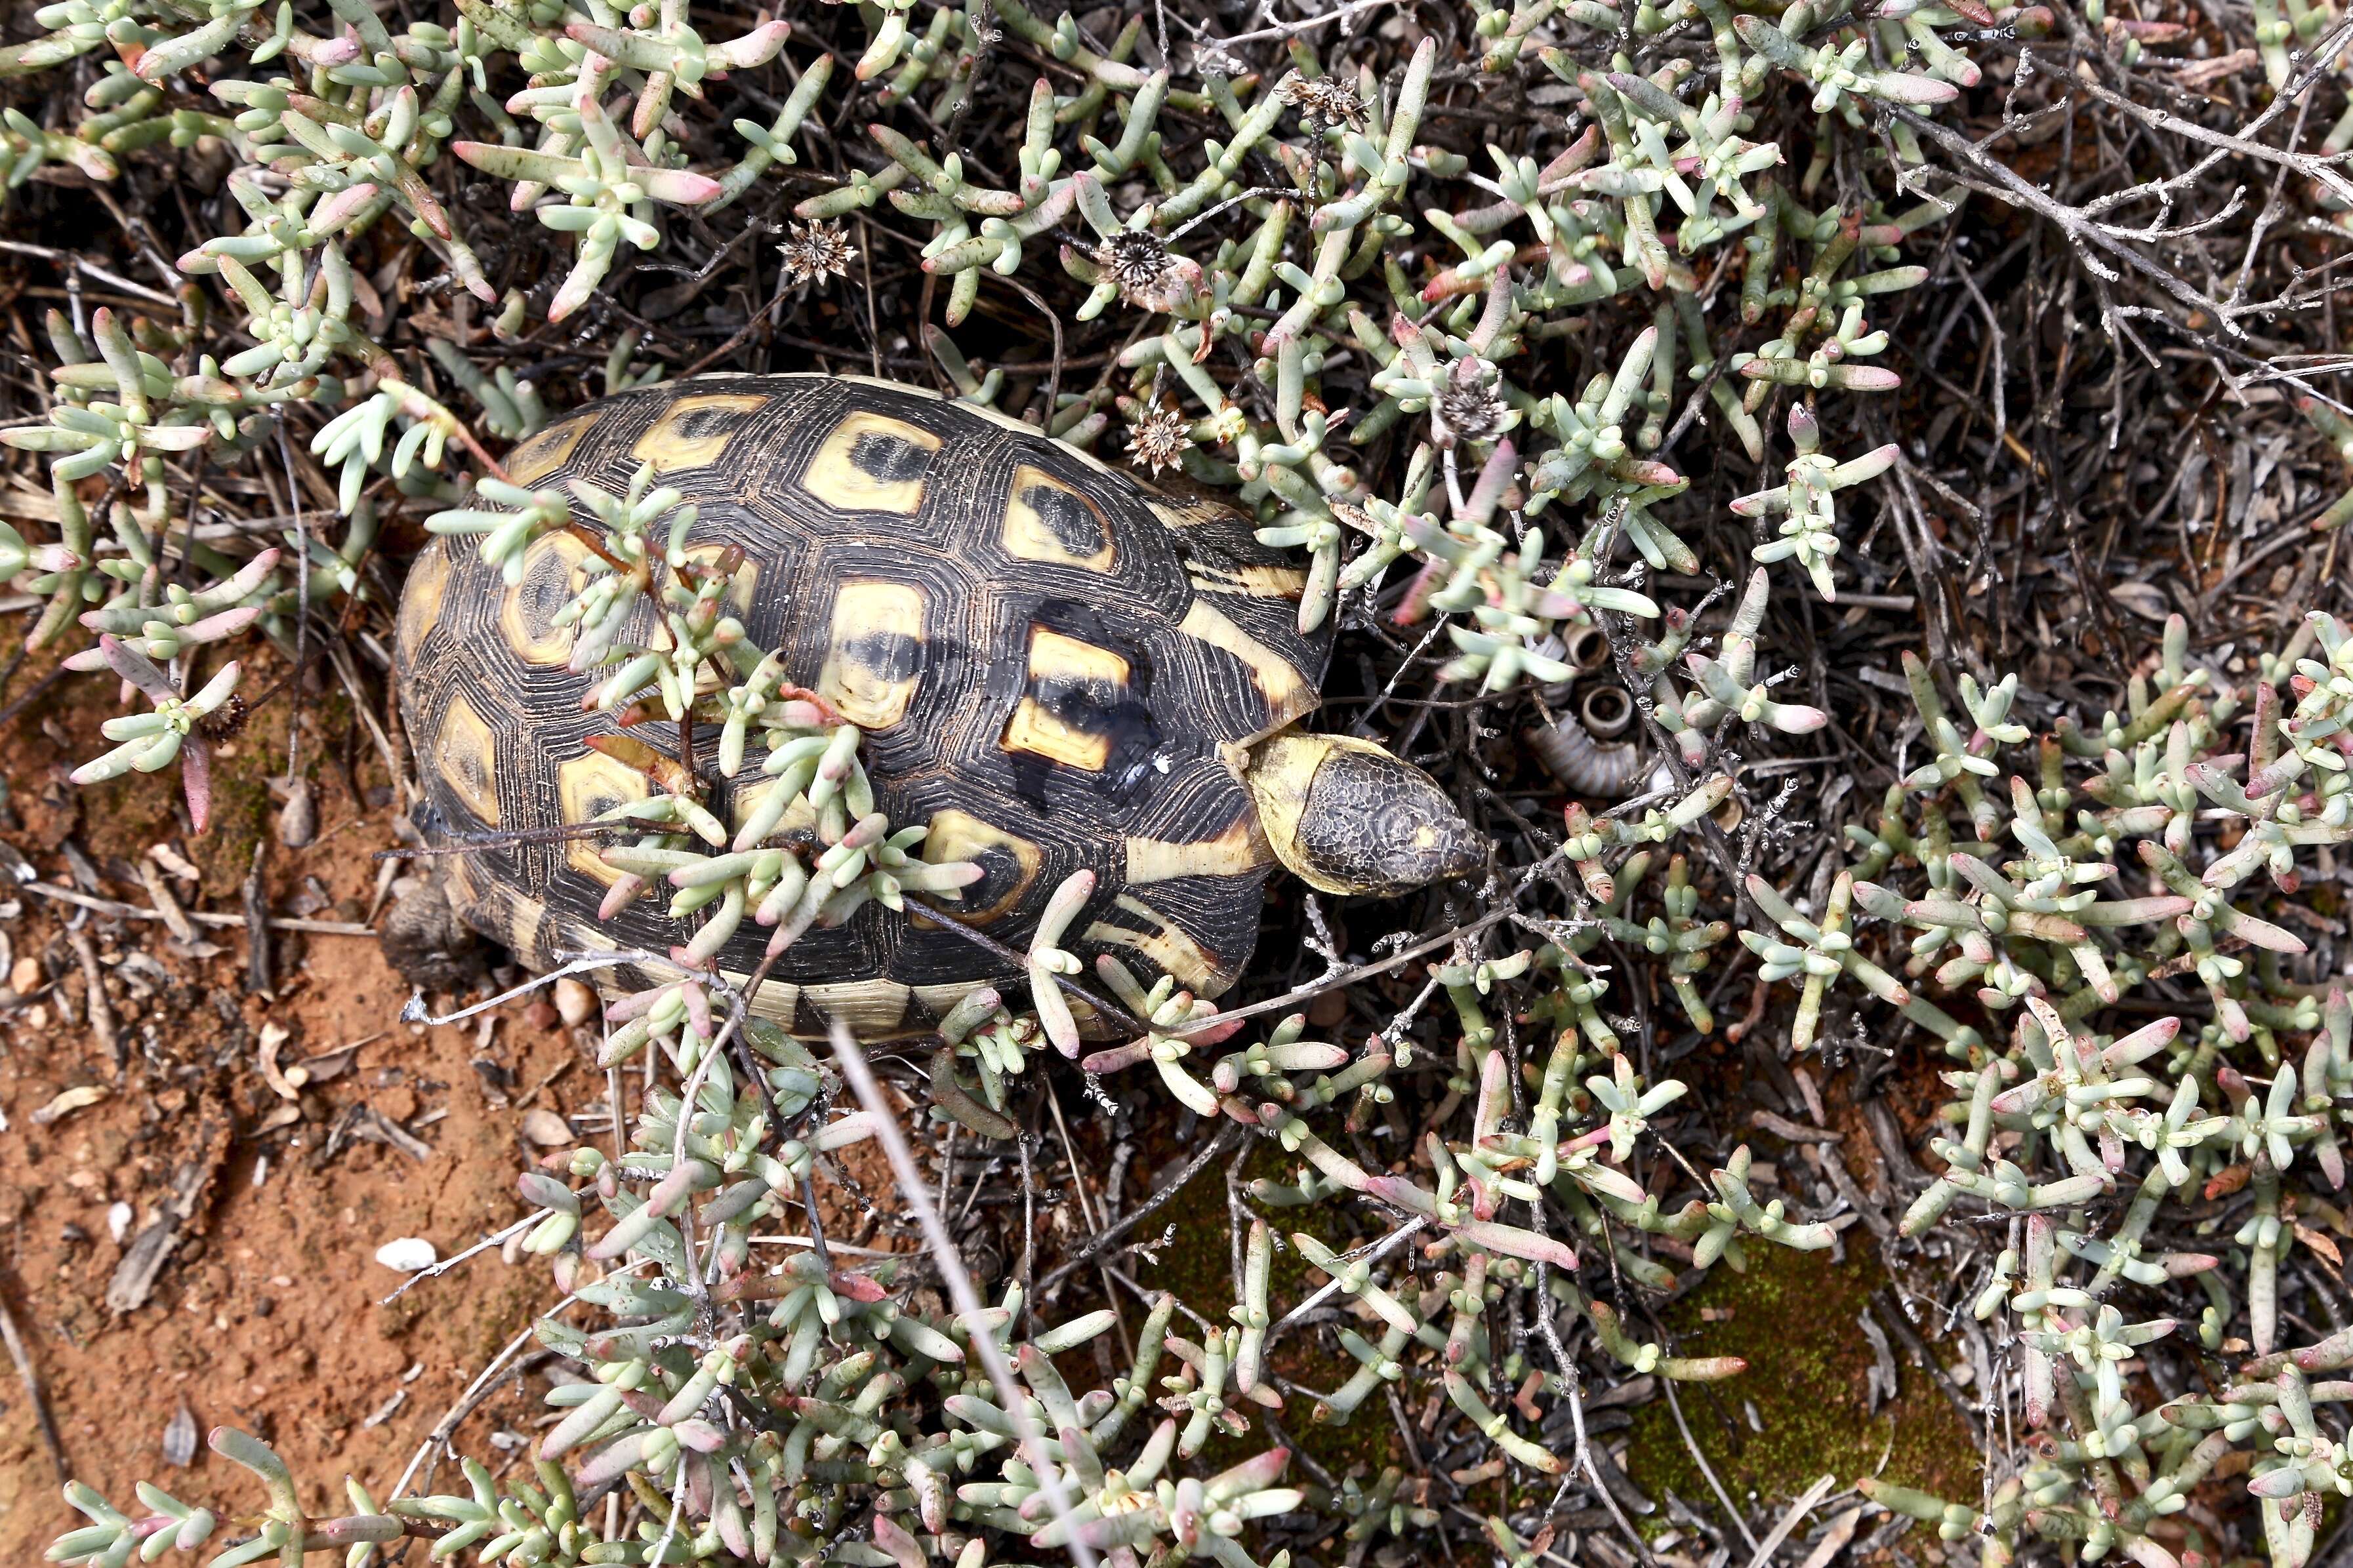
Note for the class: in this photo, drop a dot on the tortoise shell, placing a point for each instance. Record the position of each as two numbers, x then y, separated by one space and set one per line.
1048 658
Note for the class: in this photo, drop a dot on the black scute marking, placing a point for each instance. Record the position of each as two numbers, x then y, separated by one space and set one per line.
545 589
701 424
1072 521
1000 873
889 655
887 459
1119 714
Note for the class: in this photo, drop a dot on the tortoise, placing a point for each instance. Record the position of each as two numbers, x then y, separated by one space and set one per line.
1058 667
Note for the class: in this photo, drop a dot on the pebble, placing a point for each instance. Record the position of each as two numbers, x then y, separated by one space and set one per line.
574 1003
408 1254
118 1221
25 975
546 1128
180 1437
297 818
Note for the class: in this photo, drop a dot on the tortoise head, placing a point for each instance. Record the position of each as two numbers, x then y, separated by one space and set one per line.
1347 817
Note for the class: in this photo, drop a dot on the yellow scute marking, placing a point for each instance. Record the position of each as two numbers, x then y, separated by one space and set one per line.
869 617
1238 849
587 787
527 615
1286 692
1040 733
1083 540
533 461
746 798
834 477
746 578
1195 966
960 835
867 1006
693 431
467 752
420 601
1055 657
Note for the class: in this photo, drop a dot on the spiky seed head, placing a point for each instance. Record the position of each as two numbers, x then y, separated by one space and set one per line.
1159 439
1137 262
1467 409
814 250
1324 102
226 721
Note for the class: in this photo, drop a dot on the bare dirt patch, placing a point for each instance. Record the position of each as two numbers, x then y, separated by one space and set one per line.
262 1312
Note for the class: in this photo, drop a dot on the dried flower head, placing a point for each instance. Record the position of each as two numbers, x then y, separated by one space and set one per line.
814 250
1159 439
1467 408
1324 102
1137 262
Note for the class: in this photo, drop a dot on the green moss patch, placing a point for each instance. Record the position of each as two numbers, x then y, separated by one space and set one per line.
1802 1408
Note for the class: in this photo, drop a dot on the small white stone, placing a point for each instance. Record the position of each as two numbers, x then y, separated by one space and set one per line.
408 1254
118 1220
574 1003
546 1128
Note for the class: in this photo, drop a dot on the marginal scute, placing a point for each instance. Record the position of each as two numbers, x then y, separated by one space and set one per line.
870 1008
1288 695
1167 944
693 432
1047 520
528 930
588 786
421 600
466 752
939 1000
874 653
778 1001
1237 851
873 463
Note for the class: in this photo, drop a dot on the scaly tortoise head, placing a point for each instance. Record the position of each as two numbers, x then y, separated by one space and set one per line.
1058 669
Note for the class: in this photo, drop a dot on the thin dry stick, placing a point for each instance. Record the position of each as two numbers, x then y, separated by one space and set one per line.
122 911
447 1264
1350 976
968 1304
1738 1520
23 1357
1377 1251
415 1013
1126 1223
1789 1520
